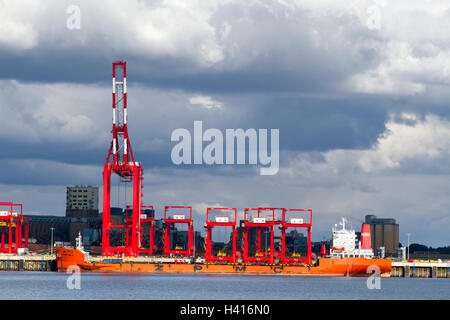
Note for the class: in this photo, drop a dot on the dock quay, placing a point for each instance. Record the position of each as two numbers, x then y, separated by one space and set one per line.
406 269
12 262
46 263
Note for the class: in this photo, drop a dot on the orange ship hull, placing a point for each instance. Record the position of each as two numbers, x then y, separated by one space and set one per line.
327 267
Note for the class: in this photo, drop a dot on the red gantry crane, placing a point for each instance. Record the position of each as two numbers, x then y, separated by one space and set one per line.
120 161
13 221
256 219
146 219
220 217
296 218
174 215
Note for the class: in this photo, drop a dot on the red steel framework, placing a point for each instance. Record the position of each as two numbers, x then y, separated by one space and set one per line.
177 219
121 163
295 222
14 222
260 222
144 219
223 221
278 219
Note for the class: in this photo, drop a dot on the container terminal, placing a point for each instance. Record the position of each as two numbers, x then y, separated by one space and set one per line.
254 256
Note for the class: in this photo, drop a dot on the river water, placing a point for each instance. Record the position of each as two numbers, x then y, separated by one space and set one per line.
42 285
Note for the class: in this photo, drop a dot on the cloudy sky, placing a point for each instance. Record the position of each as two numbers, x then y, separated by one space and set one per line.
359 91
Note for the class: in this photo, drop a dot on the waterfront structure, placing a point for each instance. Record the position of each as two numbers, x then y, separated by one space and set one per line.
13 224
120 161
326 266
384 233
128 258
82 201
216 218
175 215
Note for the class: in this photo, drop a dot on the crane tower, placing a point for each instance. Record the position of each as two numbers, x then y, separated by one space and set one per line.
120 161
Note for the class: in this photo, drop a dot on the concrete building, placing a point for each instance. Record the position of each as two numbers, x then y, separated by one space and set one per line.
384 232
82 201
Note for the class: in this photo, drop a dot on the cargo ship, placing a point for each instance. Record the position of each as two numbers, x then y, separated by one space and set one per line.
345 259
331 267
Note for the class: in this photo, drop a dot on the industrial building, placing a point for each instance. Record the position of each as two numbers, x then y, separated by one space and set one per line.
65 229
384 233
82 201
82 215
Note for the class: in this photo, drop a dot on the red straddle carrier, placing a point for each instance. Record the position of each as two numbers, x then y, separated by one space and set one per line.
13 222
121 163
178 215
221 217
296 218
147 219
257 220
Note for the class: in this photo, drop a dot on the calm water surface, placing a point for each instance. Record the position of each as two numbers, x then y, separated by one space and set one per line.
39 285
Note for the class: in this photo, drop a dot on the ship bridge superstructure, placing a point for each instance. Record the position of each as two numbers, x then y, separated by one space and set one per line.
345 244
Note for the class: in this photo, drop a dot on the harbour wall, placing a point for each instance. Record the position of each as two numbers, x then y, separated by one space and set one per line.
420 270
27 263
401 269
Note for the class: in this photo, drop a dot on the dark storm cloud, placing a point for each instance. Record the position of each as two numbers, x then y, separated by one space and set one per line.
320 124
42 172
306 123
258 50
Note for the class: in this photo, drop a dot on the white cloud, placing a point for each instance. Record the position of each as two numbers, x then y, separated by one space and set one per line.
200 207
404 72
171 28
406 138
407 53
414 49
206 102
17 31
422 140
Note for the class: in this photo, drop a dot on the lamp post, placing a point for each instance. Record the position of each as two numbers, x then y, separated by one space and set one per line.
408 244
51 240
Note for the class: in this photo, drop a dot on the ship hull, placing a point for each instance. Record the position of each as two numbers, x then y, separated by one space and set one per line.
67 258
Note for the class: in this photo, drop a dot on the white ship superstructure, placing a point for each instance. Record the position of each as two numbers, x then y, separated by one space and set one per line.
344 242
